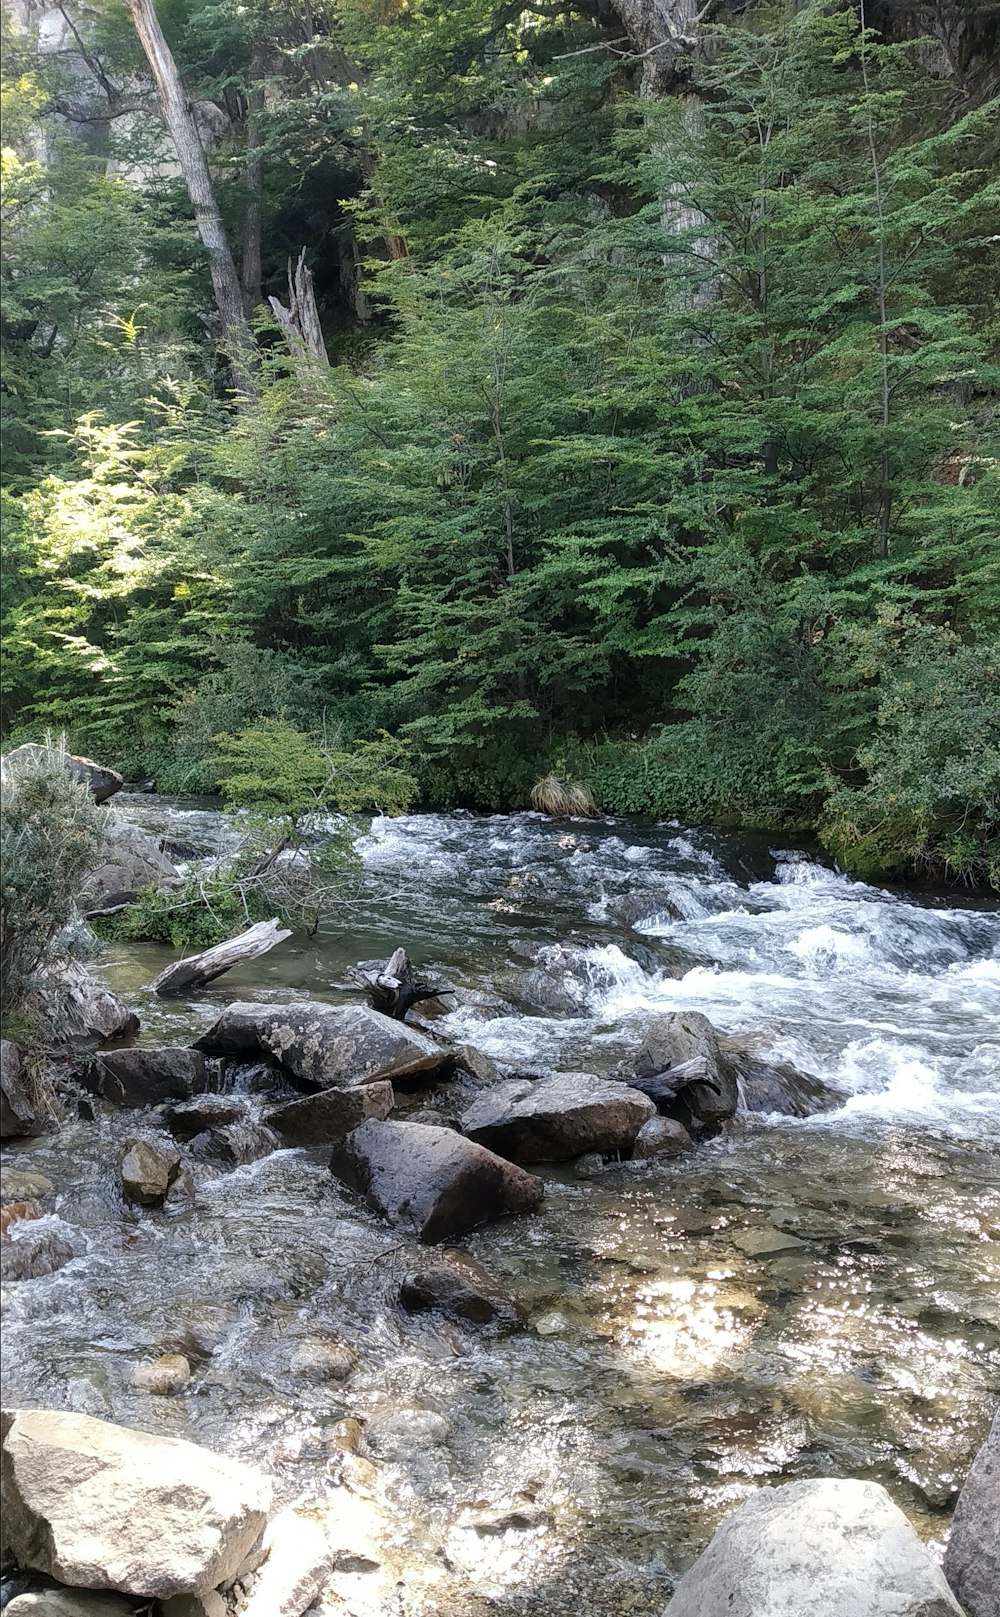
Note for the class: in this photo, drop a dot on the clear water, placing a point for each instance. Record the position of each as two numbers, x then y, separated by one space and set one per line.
672 1373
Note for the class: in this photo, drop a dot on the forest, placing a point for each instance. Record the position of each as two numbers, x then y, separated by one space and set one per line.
584 399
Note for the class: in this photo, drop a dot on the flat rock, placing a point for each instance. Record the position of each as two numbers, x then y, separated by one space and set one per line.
299 1559
972 1561
766 1243
688 1036
328 1046
324 1118
825 1548
18 1117
555 1119
459 1288
434 1180
69 1603
186 1118
98 1506
661 1137
143 1076
148 1169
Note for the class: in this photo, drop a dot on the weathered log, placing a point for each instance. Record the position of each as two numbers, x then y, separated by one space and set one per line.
391 986
199 969
668 1085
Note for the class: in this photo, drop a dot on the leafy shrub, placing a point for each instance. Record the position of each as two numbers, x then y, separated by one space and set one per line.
51 834
275 767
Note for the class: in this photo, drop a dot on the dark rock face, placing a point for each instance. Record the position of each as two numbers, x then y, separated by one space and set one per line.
148 1169
328 1046
972 1560
18 1118
689 1036
557 1118
101 782
186 1118
327 1117
143 1077
434 1180
458 1287
235 1143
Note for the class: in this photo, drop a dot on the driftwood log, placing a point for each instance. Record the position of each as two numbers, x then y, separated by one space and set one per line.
668 1085
391 986
199 969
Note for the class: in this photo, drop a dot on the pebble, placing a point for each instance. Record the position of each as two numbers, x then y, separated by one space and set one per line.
164 1376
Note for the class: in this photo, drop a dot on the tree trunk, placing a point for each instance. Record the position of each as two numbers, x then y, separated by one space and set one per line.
179 119
253 180
300 321
199 969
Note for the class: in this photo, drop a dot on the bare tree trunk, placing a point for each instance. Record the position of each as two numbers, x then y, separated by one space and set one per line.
300 321
183 130
253 180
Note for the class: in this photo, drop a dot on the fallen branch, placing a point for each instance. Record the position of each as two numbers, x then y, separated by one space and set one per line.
199 969
391 986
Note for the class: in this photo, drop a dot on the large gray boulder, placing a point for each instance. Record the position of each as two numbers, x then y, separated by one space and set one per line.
554 1119
689 1036
101 1507
328 1046
101 782
826 1548
972 1561
145 1077
78 1009
18 1117
131 861
434 1180
328 1116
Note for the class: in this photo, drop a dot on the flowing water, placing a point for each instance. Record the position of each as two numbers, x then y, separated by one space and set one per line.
582 1461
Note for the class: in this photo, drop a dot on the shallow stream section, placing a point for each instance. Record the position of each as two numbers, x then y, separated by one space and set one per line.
804 1296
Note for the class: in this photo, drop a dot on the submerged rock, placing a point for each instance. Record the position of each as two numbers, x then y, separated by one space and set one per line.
329 1046
826 1548
322 1358
458 1287
164 1376
432 1179
972 1561
145 1077
101 1507
327 1117
33 1248
689 1036
148 1169
557 1118
396 1434
18 1116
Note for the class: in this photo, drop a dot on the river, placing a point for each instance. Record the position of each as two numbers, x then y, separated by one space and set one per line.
662 1373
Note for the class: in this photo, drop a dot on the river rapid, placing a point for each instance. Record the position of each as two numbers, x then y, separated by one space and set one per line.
580 1462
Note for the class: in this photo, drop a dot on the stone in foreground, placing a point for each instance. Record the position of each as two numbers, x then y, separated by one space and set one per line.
327 1117
972 1562
434 1180
328 1046
148 1170
555 1119
299 1561
688 1036
98 1506
459 1288
661 1137
826 1548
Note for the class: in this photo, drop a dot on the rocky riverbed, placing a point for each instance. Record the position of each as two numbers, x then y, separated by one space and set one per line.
811 1293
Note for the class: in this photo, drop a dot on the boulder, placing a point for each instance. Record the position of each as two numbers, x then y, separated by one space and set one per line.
18 1117
554 1119
235 1143
101 782
148 1169
434 1180
825 1548
326 1117
32 1248
688 1036
186 1118
458 1287
102 1507
298 1564
69 1603
75 1007
145 1077
328 1046
972 1560
661 1137
132 860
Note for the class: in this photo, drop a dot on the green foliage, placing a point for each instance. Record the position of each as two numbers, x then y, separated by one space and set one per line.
51 834
275 768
